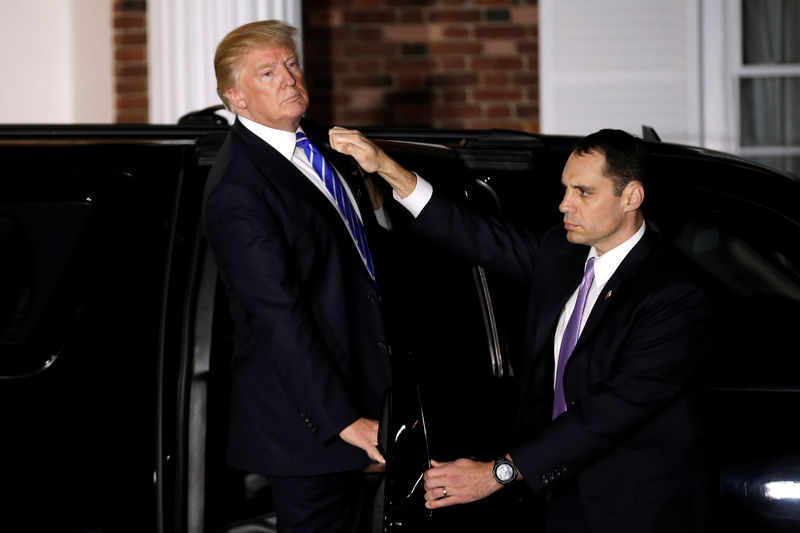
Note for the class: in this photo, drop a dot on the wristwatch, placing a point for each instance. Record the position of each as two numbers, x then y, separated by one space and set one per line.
504 471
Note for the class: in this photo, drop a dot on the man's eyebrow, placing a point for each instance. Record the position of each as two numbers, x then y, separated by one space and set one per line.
262 66
581 186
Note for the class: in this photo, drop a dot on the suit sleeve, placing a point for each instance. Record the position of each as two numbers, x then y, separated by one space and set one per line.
257 266
498 246
659 354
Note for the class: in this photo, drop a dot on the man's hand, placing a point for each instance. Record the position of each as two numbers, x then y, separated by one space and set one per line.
460 481
372 159
363 433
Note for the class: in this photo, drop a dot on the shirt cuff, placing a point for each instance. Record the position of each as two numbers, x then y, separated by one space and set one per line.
419 197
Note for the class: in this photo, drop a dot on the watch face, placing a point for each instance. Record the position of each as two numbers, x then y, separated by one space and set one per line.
504 472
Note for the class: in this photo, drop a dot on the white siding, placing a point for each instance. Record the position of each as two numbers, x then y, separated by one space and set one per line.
620 63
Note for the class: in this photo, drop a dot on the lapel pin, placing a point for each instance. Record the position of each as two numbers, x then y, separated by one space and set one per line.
608 295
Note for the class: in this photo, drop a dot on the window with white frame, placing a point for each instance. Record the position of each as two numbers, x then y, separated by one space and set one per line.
724 74
766 77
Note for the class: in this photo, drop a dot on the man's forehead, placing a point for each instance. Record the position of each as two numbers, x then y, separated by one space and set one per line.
269 54
585 169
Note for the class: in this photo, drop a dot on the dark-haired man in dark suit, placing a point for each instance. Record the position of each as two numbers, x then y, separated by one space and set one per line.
310 362
608 427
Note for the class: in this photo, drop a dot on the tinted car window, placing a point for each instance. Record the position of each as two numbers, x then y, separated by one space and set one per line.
37 240
747 257
16 277
86 252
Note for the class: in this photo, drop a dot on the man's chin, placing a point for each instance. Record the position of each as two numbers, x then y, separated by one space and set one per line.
574 238
298 102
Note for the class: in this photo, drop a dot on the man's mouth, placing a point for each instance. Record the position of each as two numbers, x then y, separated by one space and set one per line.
292 98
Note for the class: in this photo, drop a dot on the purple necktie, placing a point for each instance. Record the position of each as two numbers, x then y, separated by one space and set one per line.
570 338
334 186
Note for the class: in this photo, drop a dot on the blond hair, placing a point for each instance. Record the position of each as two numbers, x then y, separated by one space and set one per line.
239 42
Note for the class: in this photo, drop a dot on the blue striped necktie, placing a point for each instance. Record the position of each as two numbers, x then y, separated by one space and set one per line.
328 176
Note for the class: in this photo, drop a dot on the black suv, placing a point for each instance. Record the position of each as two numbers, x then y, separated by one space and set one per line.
115 337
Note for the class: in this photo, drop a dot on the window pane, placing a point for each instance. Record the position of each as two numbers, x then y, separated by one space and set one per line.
770 111
769 31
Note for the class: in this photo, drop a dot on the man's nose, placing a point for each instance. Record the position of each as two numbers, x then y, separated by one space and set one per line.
565 204
287 78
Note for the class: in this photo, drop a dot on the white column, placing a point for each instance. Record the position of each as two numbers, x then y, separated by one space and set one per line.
182 38
720 112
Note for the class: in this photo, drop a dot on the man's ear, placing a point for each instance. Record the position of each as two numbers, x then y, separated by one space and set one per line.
633 195
235 98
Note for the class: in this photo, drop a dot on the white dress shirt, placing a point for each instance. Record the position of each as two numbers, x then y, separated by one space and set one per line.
604 267
285 143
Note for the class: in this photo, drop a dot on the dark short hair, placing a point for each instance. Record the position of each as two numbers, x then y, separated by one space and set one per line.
626 155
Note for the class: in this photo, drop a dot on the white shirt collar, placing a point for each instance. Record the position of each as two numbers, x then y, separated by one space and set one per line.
606 264
282 141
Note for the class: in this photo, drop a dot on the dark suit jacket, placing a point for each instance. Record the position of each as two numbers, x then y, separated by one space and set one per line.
631 436
310 353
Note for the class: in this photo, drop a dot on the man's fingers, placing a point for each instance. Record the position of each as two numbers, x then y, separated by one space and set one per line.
342 139
375 455
440 497
363 433
436 470
443 502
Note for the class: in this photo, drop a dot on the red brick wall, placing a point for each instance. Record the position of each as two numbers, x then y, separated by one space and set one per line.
437 63
130 60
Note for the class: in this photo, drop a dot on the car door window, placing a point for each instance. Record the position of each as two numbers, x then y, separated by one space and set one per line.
37 241
747 257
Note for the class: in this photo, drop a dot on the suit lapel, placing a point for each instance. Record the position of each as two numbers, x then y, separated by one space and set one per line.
628 268
275 167
346 166
566 280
